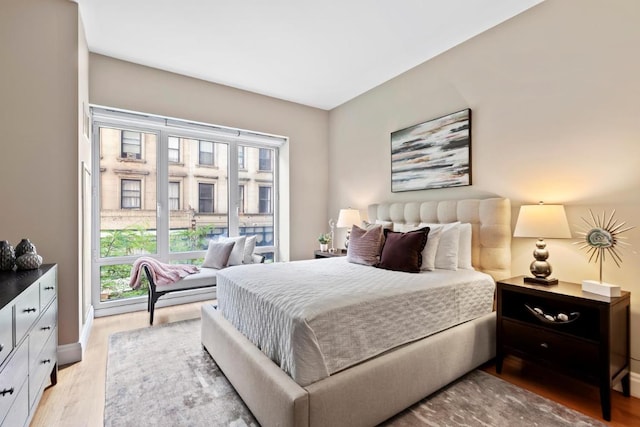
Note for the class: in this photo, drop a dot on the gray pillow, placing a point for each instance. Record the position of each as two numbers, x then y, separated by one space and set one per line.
218 254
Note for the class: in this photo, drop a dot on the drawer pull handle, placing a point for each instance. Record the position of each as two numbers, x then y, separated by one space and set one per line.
29 310
49 288
1 347
544 345
46 328
45 361
550 319
6 391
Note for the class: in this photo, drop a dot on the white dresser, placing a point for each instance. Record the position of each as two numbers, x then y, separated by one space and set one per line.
28 341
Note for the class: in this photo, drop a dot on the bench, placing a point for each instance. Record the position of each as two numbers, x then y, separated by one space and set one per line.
205 278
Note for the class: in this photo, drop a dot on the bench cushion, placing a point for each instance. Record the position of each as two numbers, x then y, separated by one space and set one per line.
205 277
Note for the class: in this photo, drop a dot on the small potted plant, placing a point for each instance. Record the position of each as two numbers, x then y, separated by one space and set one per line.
324 240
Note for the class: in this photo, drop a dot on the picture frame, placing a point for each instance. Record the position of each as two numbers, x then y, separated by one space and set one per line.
432 154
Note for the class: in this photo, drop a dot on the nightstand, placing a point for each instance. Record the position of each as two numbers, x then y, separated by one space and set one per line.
581 334
338 252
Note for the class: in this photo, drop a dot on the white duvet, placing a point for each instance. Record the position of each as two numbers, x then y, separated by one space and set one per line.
317 317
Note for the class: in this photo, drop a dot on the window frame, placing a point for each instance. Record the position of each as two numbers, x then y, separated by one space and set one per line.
162 128
212 186
261 160
170 149
126 154
212 153
123 197
169 198
269 211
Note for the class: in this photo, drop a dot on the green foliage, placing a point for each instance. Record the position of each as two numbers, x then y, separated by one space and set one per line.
190 239
138 240
324 238
135 239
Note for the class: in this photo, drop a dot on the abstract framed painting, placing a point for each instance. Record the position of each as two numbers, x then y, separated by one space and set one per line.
433 154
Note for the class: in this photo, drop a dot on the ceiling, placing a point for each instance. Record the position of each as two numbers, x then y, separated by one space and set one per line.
318 53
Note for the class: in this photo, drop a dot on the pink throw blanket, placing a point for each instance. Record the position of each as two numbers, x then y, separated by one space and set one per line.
163 274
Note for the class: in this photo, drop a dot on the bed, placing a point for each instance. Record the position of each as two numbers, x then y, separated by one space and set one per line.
360 390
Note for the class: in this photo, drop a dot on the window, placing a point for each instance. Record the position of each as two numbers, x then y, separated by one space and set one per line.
264 206
241 164
174 196
130 194
205 198
174 149
265 159
241 198
167 206
131 145
206 153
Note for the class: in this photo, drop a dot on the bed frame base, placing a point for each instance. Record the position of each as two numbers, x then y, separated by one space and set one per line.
363 395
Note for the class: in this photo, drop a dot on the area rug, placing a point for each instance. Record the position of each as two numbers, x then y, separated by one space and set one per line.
162 376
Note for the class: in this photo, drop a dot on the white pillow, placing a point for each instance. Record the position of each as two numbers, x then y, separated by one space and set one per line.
249 247
403 228
464 249
237 255
218 254
447 252
430 249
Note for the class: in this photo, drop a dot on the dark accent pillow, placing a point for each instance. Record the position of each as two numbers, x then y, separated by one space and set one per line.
403 251
365 245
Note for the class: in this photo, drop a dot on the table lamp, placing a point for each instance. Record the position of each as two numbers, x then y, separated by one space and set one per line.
542 221
347 218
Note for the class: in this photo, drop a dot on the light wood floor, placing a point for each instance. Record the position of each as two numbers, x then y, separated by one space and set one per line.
78 398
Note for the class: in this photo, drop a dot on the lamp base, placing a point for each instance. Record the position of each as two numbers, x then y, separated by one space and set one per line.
541 281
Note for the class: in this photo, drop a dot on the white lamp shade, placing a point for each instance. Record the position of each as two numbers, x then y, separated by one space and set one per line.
348 217
542 221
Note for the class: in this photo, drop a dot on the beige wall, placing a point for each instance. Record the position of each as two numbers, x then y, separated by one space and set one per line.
125 85
554 94
39 160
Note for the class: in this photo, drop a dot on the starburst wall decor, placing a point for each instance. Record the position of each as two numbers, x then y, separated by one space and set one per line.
601 235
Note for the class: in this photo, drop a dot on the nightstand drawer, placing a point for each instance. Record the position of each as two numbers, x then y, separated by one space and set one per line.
519 306
559 350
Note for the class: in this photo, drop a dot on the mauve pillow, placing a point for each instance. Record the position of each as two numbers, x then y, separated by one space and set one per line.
365 245
403 251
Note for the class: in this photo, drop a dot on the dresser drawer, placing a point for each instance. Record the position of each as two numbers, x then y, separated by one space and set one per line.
41 333
6 332
19 412
41 367
27 310
558 350
12 377
48 289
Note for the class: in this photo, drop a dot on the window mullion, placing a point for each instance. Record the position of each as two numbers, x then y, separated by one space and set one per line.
162 185
232 189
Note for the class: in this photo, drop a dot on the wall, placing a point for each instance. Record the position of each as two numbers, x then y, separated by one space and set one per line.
129 86
554 94
39 161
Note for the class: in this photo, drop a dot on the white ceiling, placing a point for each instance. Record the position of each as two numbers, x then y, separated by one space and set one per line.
319 53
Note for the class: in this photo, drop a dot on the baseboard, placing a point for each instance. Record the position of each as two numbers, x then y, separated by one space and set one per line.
69 353
72 353
634 386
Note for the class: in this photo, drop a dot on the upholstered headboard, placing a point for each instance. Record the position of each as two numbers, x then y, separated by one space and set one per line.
490 220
